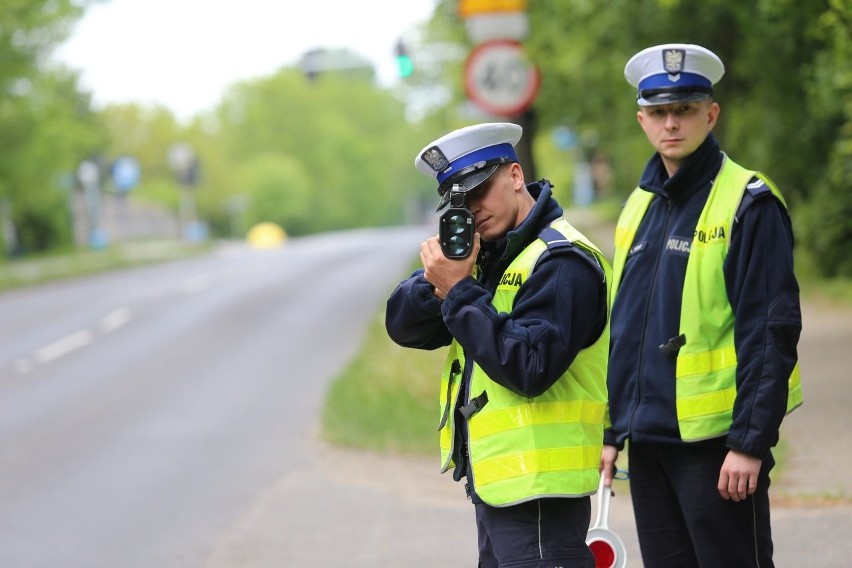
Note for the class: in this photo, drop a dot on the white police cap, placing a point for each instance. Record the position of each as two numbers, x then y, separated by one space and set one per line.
673 72
468 156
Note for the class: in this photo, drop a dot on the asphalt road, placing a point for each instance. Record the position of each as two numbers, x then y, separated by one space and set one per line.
143 411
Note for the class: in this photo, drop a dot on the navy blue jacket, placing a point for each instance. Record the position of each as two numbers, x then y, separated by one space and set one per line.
762 290
558 310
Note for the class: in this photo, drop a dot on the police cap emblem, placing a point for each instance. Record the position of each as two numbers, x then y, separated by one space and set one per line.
435 158
673 60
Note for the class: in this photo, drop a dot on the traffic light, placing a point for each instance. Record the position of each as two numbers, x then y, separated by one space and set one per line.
404 64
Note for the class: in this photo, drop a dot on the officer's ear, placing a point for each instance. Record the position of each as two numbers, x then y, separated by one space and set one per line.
517 174
713 111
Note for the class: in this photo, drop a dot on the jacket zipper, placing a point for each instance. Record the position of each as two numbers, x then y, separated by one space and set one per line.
640 366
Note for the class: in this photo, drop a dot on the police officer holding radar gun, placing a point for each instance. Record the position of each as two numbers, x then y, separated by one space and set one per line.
522 306
705 322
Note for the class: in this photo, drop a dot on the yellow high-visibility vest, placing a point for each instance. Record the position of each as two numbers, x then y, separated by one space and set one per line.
524 448
707 363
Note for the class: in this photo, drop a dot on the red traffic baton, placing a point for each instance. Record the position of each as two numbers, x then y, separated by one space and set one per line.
606 546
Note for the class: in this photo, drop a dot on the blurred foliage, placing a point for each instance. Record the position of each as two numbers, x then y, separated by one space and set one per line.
827 229
331 149
310 152
344 142
46 123
280 191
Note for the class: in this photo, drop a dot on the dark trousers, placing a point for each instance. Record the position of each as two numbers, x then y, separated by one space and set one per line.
683 521
545 533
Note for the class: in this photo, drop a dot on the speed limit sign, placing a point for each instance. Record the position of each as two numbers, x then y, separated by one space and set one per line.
499 79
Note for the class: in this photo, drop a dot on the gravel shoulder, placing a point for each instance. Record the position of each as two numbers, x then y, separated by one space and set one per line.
816 450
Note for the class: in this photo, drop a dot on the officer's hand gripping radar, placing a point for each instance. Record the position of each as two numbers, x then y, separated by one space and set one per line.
455 230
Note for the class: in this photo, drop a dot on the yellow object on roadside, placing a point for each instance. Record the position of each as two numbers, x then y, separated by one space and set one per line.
266 235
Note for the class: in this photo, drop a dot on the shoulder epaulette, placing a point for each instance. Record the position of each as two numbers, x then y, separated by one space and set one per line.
755 189
553 238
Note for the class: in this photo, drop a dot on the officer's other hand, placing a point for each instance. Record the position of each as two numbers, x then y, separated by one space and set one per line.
441 272
607 467
738 477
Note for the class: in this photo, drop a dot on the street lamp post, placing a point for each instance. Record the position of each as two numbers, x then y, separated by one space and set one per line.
184 164
125 176
89 176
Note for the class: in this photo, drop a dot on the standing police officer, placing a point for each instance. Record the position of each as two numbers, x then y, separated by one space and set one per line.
523 393
705 323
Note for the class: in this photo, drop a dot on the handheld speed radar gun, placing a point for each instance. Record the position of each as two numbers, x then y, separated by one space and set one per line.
455 230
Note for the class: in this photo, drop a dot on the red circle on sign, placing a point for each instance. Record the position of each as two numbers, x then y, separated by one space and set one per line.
499 79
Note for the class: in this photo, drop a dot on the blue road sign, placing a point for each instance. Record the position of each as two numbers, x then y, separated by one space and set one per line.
125 173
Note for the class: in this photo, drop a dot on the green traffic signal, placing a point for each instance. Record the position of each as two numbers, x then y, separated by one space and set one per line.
404 64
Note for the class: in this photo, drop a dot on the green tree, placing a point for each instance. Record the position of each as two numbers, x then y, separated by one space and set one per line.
278 190
349 137
826 225
145 133
46 123
313 153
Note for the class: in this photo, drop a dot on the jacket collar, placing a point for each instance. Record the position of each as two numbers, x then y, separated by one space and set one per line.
698 169
545 210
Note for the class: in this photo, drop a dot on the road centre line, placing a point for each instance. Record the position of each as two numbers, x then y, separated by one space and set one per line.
63 346
107 324
73 341
115 319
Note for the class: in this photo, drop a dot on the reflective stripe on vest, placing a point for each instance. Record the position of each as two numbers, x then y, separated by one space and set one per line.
707 363
449 394
524 448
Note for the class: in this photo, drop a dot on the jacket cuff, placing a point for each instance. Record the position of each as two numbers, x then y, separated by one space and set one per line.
424 295
609 439
756 450
462 294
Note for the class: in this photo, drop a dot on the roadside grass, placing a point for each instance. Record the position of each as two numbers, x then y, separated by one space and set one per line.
386 399
33 270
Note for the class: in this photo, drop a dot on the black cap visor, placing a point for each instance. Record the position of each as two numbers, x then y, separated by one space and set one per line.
469 179
651 97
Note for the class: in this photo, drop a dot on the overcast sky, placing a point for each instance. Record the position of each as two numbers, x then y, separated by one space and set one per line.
183 54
